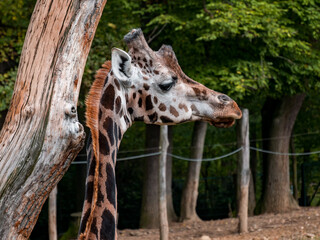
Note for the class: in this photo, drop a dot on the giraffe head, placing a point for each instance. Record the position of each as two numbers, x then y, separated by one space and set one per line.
158 91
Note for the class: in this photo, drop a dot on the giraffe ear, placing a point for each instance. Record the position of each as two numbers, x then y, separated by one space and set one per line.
121 65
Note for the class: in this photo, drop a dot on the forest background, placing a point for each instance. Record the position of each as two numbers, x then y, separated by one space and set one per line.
263 54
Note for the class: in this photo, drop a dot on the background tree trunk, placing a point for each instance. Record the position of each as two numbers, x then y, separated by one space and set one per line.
172 216
190 191
294 171
277 197
253 169
252 196
149 208
41 134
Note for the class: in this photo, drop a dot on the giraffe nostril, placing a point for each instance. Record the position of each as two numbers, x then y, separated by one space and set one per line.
224 98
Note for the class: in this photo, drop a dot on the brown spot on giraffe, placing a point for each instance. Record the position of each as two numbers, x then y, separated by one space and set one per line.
108 126
110 184
116 82
183 106
103 142
173 111
194 108
155 100
146 86
130 110
197 91
149 104
107 220
118 104
162 107
107 99
153 117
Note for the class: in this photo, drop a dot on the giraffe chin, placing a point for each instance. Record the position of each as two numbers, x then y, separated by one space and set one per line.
223 122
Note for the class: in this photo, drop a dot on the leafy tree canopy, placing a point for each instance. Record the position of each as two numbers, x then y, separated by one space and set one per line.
14 20
238 47
249 46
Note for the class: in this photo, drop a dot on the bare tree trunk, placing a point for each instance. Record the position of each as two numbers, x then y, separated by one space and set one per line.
162 200
277 197
41 134
253 171
149 210
53 231
294 171
190 191
149 207
243 171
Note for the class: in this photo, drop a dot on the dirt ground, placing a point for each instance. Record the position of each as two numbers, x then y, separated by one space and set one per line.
298 224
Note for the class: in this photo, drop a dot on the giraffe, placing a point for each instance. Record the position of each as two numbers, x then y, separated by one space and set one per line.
141 85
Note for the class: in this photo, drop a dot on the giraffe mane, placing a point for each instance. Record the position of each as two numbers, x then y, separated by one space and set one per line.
92 121
92 104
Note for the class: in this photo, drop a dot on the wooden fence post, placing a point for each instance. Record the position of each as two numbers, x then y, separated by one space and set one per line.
164 229
53 232
243 171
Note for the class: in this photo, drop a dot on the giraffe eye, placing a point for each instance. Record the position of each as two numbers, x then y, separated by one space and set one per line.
166 86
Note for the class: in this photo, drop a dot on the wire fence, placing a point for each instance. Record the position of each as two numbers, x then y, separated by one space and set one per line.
205 159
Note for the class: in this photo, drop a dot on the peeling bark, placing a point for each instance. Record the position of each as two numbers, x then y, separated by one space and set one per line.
41 134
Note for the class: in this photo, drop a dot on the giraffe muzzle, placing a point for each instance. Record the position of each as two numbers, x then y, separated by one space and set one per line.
223 122
228 115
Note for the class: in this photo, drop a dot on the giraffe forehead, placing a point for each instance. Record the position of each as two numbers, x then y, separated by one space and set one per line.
159 63
160 67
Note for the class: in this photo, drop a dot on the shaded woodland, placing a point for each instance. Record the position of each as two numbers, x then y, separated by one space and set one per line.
263 54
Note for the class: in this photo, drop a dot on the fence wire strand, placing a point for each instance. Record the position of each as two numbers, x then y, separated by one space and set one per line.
204 159
284 154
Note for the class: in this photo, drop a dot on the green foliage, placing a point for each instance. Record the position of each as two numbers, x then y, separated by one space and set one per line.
71 233
6 87
14 20
115 22
242 47
265 46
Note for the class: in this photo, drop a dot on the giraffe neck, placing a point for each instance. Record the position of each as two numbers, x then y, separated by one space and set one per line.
100 207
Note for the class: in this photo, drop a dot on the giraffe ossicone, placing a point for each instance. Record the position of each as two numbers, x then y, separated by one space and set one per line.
141 85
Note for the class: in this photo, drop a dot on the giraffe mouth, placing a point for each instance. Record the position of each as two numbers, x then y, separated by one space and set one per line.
222 122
